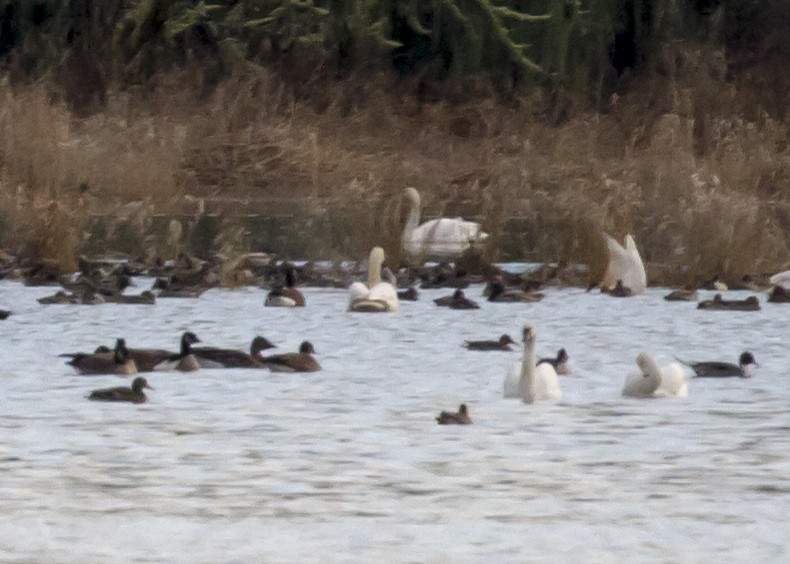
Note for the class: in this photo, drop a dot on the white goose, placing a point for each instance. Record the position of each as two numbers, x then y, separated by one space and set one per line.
625 265
529 382
439 239
653 381
377 296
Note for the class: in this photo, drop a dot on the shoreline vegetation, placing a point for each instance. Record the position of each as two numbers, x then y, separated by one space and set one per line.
238 127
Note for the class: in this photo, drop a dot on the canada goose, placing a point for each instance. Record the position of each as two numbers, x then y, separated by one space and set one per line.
724 369
559 362
501 344
653 381
438 239
286 295
377 296
117 361
213 357
530 381
134 394
184 361
302 361
450 418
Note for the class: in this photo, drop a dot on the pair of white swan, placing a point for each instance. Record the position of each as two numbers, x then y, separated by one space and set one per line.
654 381
624 265
529 382
534 383
377 296
439 239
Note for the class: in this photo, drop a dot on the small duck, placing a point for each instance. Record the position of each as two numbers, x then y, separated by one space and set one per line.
303 361
213 357
145 297
456 301
559 362
4 314
685 295
133 395
620 291
718 303
185 360
498 292
104 361
779 295
501 344
410 294
717 369
286 295
450 418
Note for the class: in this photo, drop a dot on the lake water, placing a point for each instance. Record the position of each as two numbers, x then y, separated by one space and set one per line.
348 464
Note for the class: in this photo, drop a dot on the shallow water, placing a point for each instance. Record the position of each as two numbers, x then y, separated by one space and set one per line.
348 465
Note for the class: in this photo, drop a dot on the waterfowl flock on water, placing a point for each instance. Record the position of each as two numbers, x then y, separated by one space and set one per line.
532 379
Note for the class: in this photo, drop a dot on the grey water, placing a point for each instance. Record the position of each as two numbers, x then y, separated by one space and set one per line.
348 464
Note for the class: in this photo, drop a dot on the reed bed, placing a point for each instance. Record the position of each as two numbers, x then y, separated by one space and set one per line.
704 190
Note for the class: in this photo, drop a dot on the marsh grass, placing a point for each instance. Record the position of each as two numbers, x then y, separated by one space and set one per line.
704 191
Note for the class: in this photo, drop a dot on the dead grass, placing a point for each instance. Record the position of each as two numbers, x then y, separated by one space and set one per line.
702 189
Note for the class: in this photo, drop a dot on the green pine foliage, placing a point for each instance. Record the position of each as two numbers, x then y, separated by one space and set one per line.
565 47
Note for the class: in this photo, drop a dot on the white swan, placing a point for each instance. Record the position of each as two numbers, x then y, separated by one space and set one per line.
626 265
377 296
529 382
653 381
438 239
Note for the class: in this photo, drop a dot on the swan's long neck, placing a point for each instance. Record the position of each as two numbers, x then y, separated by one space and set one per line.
527 381
652 370
374 271
413 219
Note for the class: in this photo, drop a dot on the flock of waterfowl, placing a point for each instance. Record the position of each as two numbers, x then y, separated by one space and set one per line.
441 239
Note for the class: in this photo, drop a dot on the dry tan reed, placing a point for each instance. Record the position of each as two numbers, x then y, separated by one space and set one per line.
703 190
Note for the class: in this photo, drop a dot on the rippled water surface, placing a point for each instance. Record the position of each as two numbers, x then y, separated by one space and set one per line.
348 465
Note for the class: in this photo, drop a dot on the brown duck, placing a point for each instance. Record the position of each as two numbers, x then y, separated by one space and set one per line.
450 418
133 395
502 344
302 361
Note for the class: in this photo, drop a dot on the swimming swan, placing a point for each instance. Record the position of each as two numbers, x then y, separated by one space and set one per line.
377 296
529 382
624 265
653 381
439 239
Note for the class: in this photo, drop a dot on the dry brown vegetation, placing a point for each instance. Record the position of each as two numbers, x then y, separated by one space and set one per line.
674 161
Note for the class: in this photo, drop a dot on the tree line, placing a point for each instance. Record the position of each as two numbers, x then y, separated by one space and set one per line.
564 47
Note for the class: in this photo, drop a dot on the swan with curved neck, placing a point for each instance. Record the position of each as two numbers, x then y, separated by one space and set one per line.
653 381
439 239
529 382
625 265
377 296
